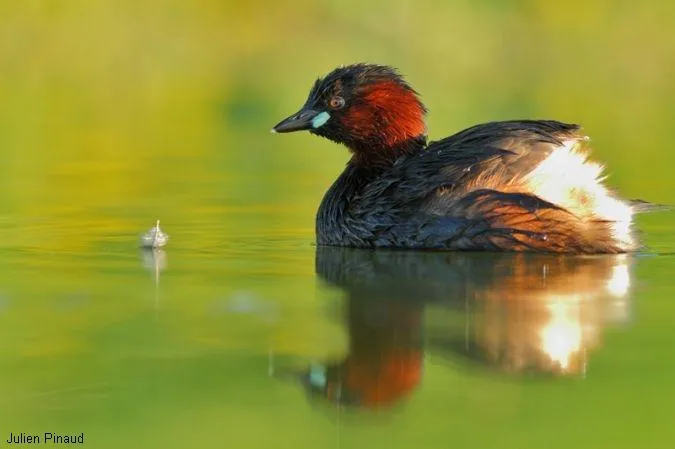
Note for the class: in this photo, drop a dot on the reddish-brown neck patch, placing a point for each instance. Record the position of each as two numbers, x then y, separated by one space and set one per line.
386 115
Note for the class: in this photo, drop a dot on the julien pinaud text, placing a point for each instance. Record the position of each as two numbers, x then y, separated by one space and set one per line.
45 438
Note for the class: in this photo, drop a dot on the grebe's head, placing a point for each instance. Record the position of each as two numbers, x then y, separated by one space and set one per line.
369 108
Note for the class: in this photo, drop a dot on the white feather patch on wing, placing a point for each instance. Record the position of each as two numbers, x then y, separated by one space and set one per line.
566 178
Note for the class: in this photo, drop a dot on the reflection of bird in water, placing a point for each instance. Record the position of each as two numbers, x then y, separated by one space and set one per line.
384 359
544 314
513 312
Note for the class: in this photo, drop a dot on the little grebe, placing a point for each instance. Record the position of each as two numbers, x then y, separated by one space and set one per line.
522 185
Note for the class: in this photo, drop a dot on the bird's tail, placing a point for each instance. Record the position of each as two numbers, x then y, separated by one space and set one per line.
640 206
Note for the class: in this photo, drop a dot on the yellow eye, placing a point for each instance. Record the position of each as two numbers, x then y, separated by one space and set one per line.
337 102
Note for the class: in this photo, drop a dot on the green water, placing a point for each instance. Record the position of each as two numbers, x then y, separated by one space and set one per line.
115 114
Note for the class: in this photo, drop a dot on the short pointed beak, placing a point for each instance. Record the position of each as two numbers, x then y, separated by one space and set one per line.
299 121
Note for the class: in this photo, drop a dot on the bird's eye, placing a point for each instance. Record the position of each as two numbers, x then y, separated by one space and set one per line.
337 102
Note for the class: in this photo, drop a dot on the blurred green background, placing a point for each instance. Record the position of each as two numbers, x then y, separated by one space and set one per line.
116 113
